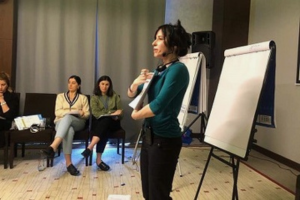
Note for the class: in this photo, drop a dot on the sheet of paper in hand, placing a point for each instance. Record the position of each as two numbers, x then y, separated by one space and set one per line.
138 101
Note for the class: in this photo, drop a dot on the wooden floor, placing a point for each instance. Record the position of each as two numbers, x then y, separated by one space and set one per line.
25 182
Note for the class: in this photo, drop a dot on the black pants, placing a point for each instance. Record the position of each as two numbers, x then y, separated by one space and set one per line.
101 129
4 126
158 164
2 139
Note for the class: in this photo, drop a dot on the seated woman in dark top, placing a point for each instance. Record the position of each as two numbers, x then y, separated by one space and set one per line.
9 108
104 101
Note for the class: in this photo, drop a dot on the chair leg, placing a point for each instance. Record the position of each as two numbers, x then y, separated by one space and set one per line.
87 161
48 162
51 162
91 158
11 155
15 150
5 156
58 150
118 146
6 150
23 149
87 158
123 150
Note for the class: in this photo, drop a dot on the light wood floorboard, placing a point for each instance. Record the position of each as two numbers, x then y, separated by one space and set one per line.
24 181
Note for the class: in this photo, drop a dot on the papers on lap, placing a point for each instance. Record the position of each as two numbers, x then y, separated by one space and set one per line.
74 113
107 115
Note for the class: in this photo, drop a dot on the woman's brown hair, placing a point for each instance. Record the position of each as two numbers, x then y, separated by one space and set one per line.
5 77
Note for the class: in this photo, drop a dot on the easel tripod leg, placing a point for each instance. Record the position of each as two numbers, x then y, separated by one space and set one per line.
179 168
204 172
235 171
134 156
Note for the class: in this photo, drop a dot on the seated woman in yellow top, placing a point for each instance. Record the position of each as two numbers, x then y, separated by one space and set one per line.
71 111
104 101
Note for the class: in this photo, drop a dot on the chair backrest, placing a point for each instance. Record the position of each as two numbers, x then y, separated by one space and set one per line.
89 97
88 122
18 95
18 108
40 103
84 134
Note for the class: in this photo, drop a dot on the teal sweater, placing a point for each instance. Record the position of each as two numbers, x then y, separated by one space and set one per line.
165 96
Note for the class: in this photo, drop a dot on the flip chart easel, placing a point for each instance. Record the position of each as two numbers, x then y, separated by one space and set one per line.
196 65
231 125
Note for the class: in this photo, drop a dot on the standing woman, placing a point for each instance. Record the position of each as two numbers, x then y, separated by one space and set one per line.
162 134
9 105
71 111
104 101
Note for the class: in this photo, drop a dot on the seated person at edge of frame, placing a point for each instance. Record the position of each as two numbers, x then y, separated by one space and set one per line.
162 143
9 102
104 101
71 113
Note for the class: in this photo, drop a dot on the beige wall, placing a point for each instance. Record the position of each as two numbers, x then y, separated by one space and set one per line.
279 21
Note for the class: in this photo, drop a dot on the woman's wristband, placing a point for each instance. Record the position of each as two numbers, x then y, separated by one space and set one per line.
2 103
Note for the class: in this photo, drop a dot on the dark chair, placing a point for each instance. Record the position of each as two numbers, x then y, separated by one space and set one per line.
35 103
83 135
119 135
